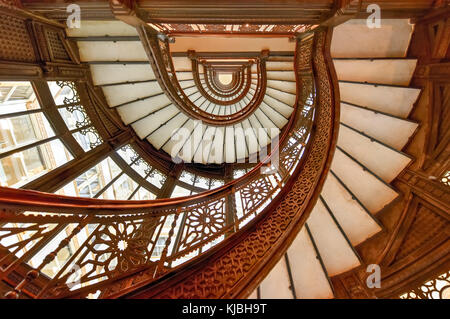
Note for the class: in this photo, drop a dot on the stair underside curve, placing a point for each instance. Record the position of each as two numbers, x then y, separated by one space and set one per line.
373 76
132 89
239 262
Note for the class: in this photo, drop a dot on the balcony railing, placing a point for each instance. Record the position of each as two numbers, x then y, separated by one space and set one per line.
66 247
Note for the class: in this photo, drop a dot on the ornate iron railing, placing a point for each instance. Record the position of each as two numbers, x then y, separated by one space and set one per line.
235 267
219 88
213 95
73 247
158 52
436 288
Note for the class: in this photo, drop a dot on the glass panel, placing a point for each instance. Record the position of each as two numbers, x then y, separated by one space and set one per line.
143 194
63 92
239 173
122 188
180 192
17 97
141 167
215 183
92 181
128 154
21 130
74 117
156 178
88 139
22 167
187 177
202 182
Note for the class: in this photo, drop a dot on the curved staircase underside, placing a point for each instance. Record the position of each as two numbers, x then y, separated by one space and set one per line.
333 105
131 88
376 99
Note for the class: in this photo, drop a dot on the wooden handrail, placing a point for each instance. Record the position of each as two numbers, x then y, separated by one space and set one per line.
177 217
236 266
158 52
245 79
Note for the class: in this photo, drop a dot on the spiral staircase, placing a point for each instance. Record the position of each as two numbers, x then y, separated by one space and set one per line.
147 109
306 135
374 76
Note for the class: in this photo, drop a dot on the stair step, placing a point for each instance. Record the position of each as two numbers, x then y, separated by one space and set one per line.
256 126
390 130
356 221
253 295
102 28
284 97
191 90
136 110
240 143
174 145
116 73
192 144
372 191
230 150
274 116
111 51
309 276
354 39
397 101
281 76
384 161
279 106
163 134
280 65
286 86
335 250
277 285
115 94
380 71
202 153
252 142
150 123
217 151
184 75
265 121
182 64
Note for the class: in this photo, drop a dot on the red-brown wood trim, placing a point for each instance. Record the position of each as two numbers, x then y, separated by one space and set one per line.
182 281
214 100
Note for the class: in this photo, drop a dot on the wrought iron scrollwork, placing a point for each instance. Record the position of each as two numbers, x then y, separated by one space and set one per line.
75 99
115 246
159 55
93 136
436 288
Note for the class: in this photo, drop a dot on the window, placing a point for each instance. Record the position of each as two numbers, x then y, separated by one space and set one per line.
29 147
188 178
141 166
74 115
106 181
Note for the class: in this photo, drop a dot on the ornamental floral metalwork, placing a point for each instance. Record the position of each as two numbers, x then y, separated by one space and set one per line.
437 288
158 52
89 245
93 136
72 103
69 101
445 179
